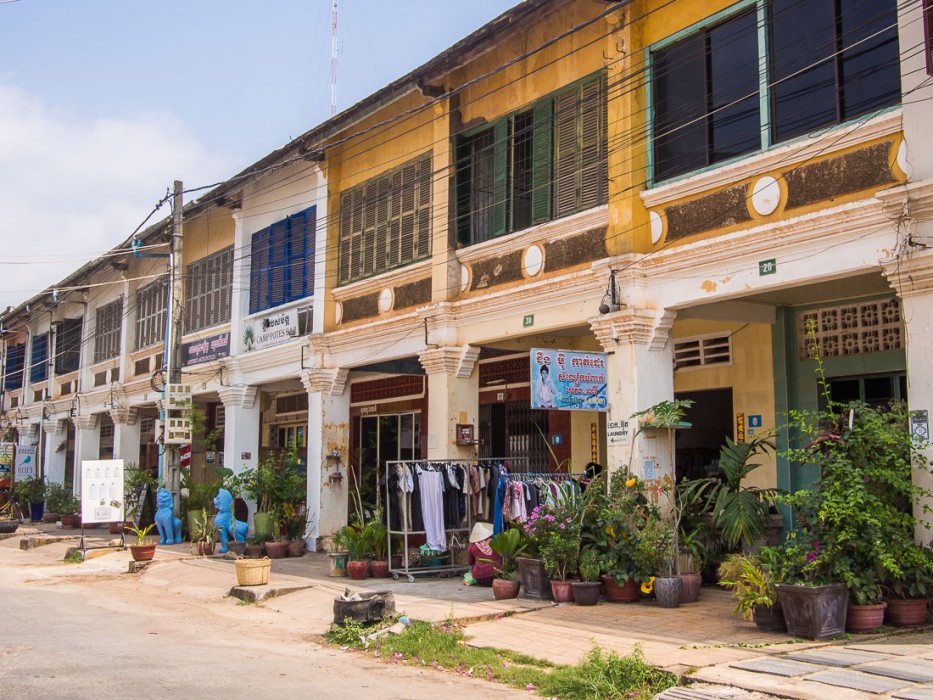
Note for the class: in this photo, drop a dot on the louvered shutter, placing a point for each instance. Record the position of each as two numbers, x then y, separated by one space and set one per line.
409 194
542 150
38 367
278 261
369 262
423 241
311 246
565 175
258 256
500 178
227 285
297 287
383 195
346 228
593 181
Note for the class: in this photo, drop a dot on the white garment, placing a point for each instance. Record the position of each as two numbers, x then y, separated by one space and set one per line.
432 509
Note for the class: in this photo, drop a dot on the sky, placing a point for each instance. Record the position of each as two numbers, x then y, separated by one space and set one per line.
104 103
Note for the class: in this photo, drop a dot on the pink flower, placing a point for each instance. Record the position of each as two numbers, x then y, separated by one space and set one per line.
530 686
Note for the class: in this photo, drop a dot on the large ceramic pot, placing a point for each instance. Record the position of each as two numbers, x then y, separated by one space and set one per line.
337 563
69 520
142 552
586 592
36 511
505 589
814 612
358 570
533 578
692 583
277 549
769 619
379 568
8 526
562 591
864 618
253 550
263 524
296 548
49 518
667 591
202 549
629 592
906 612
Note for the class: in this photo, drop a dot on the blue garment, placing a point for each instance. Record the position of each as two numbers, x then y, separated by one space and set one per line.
497 524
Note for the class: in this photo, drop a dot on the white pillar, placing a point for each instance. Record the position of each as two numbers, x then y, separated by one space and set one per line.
54 457
328 450
87 443
241 429
126 435
453 398
640 374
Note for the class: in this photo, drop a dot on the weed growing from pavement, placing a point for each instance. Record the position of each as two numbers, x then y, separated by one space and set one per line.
246 602
444 647
75 557
741 645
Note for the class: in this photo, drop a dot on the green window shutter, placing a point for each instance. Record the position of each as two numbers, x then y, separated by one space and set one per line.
541 163
565 166
500 182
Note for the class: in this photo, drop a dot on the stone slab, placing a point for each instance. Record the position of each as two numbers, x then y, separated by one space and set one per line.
895 649
778 666
924 692
257 594
913 670
864 682
836 656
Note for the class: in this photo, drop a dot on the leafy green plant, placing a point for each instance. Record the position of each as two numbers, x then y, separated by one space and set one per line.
61 500
751 580
206 530
139 533
377 536
589 566
557 528
508 544
31 489
357 542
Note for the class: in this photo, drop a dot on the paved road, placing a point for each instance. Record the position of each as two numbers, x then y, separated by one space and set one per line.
98 635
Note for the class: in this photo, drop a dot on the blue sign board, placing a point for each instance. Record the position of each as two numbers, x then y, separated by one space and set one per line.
754 421
568 380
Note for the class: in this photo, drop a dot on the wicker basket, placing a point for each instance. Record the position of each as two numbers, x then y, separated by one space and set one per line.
253 572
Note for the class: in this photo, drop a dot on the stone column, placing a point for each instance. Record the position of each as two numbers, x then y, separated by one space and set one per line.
54 458
126 435
453 397
87 444
640 373
241 429
328 449
912 278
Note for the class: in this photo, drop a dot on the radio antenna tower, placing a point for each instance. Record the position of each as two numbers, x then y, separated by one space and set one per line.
333 59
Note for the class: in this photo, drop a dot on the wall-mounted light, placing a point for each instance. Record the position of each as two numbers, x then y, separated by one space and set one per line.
610 302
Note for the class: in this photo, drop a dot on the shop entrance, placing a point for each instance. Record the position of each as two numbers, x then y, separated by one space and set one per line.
698 448
383 438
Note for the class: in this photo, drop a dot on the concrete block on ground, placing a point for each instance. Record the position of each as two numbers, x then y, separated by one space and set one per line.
893 649
863 682
836 656
136 566
257 594
924 693
905 669
778 666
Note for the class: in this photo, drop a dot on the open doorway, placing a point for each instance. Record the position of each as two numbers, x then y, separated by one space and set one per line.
698 448
383 438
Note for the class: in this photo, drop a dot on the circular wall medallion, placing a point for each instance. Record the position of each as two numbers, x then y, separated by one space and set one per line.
464 278
657 226
766 195
386 297
534 260
902 162
338 312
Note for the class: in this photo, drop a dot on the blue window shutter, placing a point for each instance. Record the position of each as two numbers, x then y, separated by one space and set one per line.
278 262
297 256
38 362
257 268
15 360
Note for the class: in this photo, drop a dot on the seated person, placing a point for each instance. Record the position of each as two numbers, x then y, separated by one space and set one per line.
480 556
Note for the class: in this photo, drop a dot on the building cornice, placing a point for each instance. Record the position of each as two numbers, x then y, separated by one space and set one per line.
238 396
325 380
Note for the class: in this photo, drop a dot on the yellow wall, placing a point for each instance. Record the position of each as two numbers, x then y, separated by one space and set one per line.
207 233
751 377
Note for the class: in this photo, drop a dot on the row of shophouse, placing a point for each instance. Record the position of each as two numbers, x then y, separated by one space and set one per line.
680 186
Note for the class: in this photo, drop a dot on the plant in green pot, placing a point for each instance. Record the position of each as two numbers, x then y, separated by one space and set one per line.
908 593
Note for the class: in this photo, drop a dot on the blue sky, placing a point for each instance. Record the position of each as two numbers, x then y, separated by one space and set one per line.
103 103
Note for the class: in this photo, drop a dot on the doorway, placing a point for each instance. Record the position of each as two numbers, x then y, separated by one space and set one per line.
385 438
698 448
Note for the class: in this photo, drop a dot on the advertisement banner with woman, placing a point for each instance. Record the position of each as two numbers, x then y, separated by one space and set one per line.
568 380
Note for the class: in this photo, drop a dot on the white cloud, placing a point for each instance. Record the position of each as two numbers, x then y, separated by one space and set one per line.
72 188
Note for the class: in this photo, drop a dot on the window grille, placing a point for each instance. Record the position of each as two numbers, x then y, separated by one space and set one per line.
39 358
150 314
850 329
208 289
107 331
68 345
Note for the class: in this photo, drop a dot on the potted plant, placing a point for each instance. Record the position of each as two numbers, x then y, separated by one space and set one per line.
255 546
337 553
753 586
377 535
358 550
275 481
690 561
586 590
68 507
508 545
908 593
53 496
32 490
143 549
295 524
203 544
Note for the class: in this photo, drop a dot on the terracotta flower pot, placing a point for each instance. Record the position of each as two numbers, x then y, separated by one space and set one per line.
691 587
629 592
296 548
69 521
276 550
562 591
863 618
504 589
908 612
586 592
202 549
379 568
142 552
358 570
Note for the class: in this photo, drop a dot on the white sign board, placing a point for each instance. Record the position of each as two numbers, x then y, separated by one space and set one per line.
920 425
102 491
618 432
25 464
267 331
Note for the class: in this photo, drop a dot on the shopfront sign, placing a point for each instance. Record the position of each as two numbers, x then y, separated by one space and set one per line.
6 461
25 462
206 350
267 331
568 380
102 499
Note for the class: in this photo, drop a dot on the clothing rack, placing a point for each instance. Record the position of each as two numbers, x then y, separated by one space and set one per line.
461 528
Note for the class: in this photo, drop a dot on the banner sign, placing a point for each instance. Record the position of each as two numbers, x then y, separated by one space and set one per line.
102 492
206 350
25 465
568 380
271 330
6 460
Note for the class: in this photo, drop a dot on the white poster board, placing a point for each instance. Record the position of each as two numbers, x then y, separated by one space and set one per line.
102 491
25 462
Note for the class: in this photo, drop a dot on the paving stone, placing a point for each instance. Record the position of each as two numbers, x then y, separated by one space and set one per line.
906 669
894 649
836 656
865 682
923 692
778 666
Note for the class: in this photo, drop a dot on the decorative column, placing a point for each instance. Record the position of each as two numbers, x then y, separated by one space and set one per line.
640 374
241 429
87 444
912 278
126 434
328 449
453 398
54 457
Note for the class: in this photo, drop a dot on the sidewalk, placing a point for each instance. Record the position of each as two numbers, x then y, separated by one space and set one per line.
701 641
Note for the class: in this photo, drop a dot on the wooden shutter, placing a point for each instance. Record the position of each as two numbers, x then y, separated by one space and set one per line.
297 283
500 178
343 249
565 175
383 195
257 274
542 149
593 163
226 284
423 237
278 262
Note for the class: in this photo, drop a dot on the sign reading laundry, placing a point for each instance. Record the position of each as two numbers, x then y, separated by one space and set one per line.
207 349
568 380
270 330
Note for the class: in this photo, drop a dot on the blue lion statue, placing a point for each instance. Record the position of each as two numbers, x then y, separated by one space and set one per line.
227 525
168 525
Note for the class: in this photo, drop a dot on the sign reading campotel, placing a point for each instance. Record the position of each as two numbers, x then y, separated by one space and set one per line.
206 350
267 331
568 380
